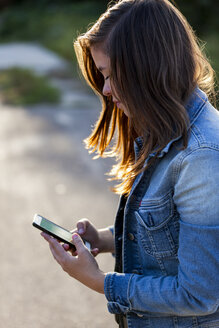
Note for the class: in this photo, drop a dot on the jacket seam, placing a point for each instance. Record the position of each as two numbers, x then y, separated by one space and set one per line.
108 283
188 152
199 110
128 289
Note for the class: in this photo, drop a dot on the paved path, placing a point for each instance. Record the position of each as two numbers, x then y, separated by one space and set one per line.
44 168
30 55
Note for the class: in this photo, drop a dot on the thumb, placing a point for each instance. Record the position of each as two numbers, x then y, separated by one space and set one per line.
78 242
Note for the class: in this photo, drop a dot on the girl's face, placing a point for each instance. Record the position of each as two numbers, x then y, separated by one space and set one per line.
102 63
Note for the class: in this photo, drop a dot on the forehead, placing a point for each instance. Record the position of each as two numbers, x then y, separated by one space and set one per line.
100 59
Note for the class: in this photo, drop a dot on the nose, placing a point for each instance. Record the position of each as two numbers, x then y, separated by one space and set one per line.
107 88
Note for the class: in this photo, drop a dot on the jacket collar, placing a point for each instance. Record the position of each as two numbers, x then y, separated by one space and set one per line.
194 107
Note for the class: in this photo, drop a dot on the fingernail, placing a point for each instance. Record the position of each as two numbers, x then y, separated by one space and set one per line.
81 231
75 236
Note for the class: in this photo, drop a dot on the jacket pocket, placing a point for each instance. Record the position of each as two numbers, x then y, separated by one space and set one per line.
158 228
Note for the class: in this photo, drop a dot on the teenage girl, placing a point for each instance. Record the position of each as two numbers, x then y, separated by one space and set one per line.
143 60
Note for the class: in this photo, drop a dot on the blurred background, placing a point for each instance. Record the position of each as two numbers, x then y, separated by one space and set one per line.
46 110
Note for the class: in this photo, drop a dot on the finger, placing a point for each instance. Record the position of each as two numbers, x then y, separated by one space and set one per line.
66 247
51 240
56 246
74 253
95 252
58 252
72 250
82 226
79 244
46 236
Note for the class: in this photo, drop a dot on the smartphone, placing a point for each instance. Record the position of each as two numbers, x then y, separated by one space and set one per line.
55 230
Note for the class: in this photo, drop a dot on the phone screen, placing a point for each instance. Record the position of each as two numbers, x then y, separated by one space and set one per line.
53 228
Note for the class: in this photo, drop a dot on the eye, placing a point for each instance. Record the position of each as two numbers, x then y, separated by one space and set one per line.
106 78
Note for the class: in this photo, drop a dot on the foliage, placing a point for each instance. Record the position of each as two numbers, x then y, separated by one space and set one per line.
55 23
55 26
22 87
201 14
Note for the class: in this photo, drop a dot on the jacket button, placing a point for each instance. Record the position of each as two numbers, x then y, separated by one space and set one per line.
135 271
140 315
131 236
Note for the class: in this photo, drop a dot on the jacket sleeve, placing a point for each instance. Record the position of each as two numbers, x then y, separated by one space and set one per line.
195 289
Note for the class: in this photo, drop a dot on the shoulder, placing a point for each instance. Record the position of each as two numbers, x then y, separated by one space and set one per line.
205 129
203 136
196 173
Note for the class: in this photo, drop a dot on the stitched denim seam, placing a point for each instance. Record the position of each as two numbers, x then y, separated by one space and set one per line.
109 279
199 109
197 135
128 293
210 324
153 251
189 152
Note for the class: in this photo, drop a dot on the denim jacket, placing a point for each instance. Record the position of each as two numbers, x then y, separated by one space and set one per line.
167 233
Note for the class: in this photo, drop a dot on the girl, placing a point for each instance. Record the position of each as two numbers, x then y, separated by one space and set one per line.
142 58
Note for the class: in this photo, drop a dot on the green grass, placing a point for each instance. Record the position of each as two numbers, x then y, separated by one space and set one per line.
23 87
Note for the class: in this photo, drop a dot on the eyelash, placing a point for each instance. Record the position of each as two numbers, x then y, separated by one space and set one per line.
107 77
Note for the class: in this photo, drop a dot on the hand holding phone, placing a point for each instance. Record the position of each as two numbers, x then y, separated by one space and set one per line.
55 231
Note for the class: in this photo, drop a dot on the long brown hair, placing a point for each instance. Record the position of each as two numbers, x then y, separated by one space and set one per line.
155 63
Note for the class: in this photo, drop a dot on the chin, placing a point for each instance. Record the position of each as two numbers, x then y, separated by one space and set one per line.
124 111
